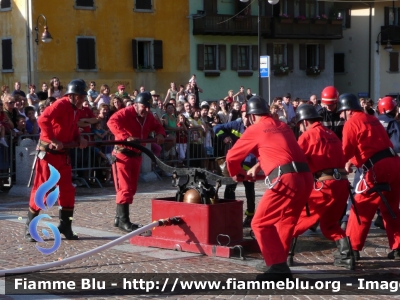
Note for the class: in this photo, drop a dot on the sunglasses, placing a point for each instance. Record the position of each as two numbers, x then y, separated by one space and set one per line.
12 102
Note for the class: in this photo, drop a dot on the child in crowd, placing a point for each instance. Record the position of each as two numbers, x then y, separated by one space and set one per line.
95 111
99 135
21 126
274 114
181 138
86 103
193 79
31 122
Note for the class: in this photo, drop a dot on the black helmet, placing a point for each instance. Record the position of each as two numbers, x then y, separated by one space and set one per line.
144 98
257 106
307 112
348 102
76 86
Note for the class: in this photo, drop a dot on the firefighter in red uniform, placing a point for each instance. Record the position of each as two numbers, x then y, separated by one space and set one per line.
289 182
325 158
367 146
58 125
130 124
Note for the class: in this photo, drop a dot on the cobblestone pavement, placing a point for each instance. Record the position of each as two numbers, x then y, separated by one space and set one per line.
94 214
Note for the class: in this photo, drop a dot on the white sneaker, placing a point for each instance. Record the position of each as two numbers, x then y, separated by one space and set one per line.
3 142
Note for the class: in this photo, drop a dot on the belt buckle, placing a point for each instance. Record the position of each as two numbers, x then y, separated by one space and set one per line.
336 174
392 151
294 167
269 184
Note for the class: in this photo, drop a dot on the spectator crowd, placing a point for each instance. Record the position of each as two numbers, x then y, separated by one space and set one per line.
185 117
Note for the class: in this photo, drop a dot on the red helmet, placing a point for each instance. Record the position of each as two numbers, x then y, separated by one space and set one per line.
329 95
243 108
386 104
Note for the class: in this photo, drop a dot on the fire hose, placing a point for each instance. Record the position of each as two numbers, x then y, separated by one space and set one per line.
162 222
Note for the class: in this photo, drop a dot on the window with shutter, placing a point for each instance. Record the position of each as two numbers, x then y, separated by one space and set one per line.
144 55
321 56
302 57
84 3
222 57
338 63
147 54
158 55
4 4
143 4
312 56
254 56
200 57
243 58
279 55
289 56
6 46
86 49
393 61
134 54
234 54
210 57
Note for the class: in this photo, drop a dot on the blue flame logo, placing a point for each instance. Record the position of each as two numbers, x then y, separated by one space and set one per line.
39 201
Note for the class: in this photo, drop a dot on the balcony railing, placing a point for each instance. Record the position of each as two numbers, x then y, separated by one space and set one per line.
307 29
390 33
226 25
270 27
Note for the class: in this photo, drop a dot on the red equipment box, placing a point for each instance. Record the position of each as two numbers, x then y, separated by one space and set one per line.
214 229
201 223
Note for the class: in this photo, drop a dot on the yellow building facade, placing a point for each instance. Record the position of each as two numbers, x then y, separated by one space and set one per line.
131 42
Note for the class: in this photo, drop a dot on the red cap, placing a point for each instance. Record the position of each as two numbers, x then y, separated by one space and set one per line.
121 86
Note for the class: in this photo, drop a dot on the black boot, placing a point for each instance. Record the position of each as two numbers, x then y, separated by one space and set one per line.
291 252
248 219
345 258
65 226
116 219
276 272
124 222
379 222
394 254
27 234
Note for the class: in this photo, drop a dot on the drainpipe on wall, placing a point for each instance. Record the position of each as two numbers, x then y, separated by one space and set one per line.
370 50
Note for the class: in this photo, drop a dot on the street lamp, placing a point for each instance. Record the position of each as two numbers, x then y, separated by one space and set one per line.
272 2
388 47
46 36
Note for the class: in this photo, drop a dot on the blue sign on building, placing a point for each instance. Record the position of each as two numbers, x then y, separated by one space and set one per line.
264 66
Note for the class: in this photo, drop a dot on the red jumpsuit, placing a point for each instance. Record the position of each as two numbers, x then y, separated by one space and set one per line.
274 144
363 136
323 150
126 170
58 121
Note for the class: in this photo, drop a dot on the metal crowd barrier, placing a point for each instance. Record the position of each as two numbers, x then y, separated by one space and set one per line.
200 150
7 162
